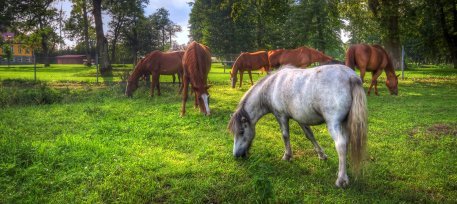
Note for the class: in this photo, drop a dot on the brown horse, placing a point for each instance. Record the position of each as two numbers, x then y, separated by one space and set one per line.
299 57
274 56
375 59
196 63
248 61
155 63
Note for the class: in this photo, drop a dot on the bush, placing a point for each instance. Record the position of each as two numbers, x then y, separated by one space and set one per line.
20 92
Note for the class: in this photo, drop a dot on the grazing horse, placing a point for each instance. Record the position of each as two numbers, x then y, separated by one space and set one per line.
155 63
375 59
274 56
299 57
310 97
196 63
248 61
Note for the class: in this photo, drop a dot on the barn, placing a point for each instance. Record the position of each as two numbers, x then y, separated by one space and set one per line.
70 59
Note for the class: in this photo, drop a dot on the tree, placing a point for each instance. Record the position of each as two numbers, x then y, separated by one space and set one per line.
447 18
78 25
7 54
102 43
39 17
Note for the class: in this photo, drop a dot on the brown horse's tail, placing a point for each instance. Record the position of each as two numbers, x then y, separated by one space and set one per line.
357 124
350 57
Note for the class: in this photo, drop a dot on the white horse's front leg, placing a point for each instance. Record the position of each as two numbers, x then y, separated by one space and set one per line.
284 124
341 147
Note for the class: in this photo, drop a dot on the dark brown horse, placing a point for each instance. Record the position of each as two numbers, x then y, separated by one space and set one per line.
375 59
155 63
299 57
248 61
196 63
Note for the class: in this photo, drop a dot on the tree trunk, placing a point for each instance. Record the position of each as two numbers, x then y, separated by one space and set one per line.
449 36
86 34
387 12
44 45
102 43
117 30
392 40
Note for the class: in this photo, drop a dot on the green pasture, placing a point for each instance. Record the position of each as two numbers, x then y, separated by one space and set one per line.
67 139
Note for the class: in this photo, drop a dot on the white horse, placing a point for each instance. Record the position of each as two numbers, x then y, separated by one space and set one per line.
331 93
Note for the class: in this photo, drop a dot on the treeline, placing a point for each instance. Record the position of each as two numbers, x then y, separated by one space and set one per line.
427 29
42 25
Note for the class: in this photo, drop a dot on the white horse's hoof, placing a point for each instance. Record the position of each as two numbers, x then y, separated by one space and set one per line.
342 182
287 157
322 156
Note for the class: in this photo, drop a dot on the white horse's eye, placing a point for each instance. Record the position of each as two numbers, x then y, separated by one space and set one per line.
242 132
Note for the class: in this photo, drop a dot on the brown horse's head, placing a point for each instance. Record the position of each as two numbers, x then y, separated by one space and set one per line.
202 97
392 84
131 87
235 67
321 58
233 79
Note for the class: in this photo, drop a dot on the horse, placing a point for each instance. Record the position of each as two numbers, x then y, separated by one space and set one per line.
155 63
375 59
299 57
197 64
330 93
248 61
274 56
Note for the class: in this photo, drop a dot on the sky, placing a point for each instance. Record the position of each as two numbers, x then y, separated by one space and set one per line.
179 13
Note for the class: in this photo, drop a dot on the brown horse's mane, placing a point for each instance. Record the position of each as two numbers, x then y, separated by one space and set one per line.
143 66
196 59
389 68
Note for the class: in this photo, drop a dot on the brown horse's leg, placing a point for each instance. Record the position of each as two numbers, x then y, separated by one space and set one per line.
250 77
152 84
180 79
174 78
362 72
241 78
158 84
374 77
184 95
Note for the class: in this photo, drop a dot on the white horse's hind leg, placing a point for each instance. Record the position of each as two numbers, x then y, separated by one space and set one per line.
284 124
341 141
309 134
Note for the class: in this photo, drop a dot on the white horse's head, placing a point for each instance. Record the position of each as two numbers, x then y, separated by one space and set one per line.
244 132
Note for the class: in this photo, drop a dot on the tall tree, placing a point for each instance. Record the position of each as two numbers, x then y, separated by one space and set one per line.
102 43
39 17
78 25
447 15
388 14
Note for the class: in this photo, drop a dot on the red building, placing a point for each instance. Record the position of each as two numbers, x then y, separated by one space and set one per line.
70 59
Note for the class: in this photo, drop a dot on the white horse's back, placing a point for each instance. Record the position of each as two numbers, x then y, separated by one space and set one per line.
311 96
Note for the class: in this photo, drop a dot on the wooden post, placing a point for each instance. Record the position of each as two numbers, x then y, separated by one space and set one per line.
402 62
34 65
96 64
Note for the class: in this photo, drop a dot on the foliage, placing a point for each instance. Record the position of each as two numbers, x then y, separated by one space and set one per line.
99 146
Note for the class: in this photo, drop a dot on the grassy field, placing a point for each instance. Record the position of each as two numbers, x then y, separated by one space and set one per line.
67 139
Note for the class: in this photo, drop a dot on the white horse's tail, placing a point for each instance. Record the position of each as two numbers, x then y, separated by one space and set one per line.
357 123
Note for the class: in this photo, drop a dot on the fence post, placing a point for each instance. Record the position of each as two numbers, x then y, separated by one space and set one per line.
402 62
96 64
34 65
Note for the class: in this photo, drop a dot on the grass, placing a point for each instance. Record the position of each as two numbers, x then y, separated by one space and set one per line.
89 143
